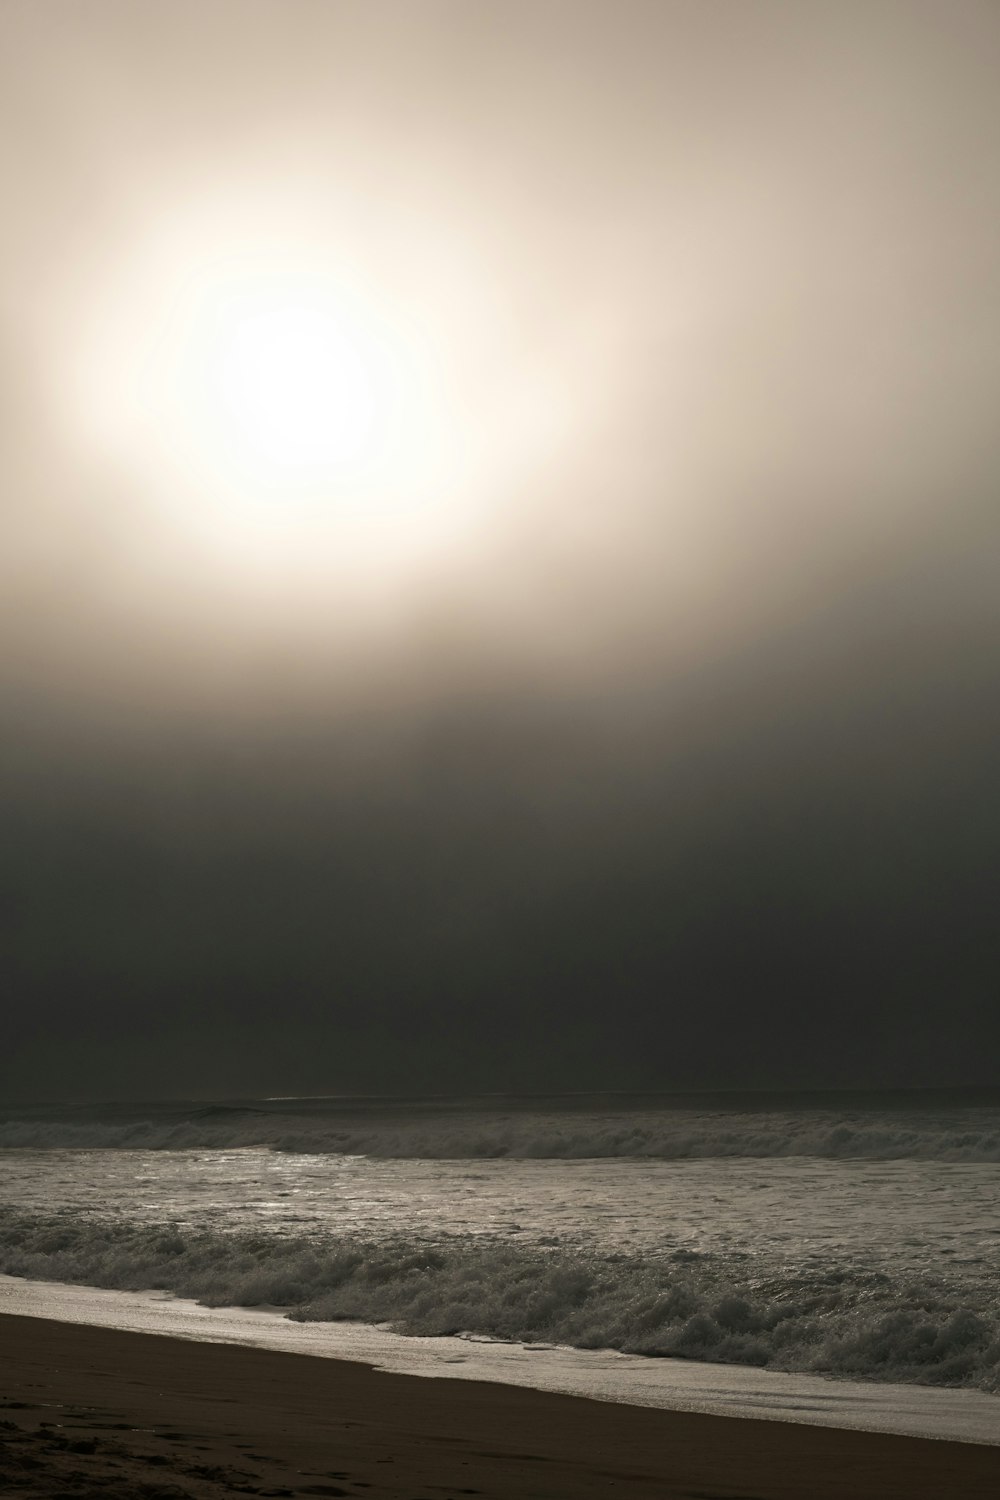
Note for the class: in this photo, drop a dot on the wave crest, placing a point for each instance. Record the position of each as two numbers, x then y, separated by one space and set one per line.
864 1325
970 1135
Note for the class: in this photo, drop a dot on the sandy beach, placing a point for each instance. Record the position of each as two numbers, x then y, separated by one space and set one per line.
90 1412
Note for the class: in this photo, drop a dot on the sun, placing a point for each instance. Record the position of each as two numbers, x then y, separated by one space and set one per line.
282 390
301 388
290 386
269 404
297 401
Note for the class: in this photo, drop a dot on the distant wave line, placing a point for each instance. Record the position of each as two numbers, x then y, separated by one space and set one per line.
971 1135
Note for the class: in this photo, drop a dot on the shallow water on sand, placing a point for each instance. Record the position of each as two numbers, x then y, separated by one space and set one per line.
962 1416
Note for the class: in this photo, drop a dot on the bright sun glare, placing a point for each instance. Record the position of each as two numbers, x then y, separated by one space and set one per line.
306 401
269 401
300 388
290 389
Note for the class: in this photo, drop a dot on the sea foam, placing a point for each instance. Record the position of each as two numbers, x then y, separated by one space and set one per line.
861 1324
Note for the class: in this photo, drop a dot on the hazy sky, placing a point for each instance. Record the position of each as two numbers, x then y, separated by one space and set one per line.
500 544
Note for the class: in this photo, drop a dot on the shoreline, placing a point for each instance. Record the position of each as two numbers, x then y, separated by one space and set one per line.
956 1414
130 1414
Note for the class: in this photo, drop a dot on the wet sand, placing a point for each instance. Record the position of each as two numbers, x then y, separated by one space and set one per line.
88 1412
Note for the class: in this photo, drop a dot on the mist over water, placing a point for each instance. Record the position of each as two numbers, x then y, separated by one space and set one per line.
653 746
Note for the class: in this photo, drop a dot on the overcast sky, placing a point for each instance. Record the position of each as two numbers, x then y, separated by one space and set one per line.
612 699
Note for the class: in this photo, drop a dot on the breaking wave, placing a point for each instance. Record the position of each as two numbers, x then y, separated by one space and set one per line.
862 1325
961 1135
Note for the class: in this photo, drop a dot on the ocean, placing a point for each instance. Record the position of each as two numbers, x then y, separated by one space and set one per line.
849 1238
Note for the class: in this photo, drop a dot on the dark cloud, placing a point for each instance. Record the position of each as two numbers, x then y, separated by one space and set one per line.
778 872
